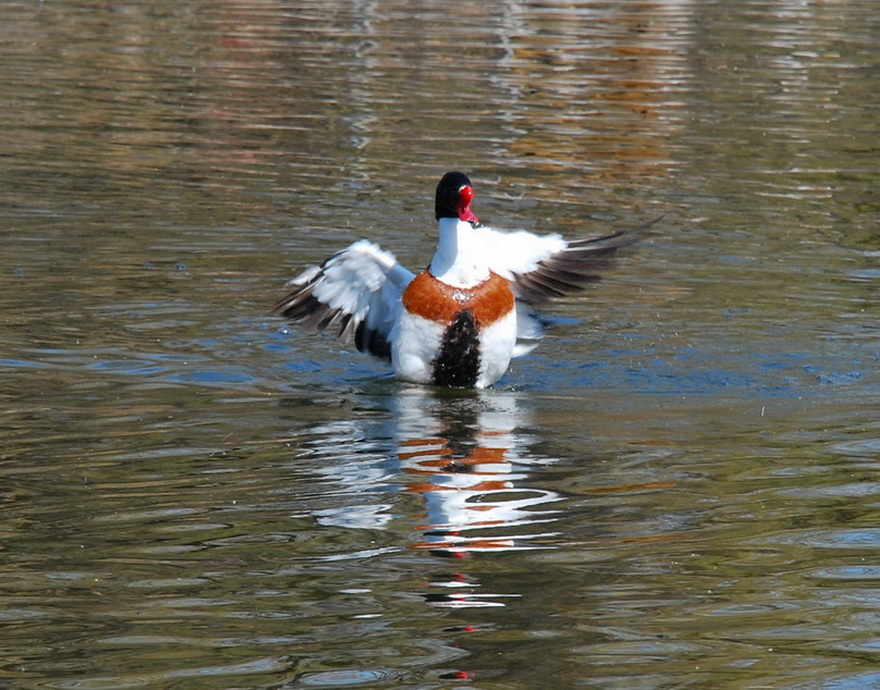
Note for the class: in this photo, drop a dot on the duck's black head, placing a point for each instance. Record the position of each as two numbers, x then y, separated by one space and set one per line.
453 198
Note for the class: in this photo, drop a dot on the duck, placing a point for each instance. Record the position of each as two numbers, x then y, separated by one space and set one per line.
461 321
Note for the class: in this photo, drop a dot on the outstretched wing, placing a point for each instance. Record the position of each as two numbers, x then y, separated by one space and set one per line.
356 293
541 267
549 266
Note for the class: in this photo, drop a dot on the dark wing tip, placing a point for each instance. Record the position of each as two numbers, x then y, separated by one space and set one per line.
301 307
579 263
372 342
297 305
608 243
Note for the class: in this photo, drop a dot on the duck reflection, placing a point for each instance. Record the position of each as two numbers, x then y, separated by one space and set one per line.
465 454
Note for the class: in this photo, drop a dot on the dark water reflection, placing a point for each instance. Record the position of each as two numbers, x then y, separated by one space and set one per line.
677 489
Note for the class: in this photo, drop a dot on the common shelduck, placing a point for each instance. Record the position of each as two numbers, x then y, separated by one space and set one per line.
459 322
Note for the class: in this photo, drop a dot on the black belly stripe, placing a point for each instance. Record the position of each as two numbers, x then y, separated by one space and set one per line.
458 362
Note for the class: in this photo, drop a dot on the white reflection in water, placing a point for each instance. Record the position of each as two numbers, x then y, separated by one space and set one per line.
467 457
464 454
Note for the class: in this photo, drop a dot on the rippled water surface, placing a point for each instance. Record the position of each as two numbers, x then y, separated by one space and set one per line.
678 488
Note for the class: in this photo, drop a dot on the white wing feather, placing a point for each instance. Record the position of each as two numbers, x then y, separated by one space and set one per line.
544 266
355 292
518 252
548 265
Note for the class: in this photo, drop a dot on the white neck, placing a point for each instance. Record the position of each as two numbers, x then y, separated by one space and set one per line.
459 260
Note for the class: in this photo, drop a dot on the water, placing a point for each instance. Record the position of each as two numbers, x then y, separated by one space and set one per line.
677 489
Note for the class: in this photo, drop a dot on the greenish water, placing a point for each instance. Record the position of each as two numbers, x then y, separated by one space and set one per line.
677 489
